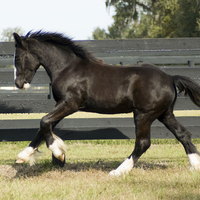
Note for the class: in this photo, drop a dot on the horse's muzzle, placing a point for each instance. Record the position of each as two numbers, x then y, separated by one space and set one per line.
19 83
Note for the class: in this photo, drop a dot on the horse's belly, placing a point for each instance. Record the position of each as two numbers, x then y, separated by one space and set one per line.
108 106
106 111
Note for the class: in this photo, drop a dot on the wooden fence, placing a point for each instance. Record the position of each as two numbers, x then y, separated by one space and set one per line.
174 56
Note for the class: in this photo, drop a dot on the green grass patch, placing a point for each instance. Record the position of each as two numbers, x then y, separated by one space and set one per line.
161 173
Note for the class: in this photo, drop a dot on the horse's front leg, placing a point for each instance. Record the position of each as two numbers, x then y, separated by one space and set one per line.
29 154
54 143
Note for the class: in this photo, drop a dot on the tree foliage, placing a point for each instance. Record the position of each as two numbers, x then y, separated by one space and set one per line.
99 34
153 19
7 34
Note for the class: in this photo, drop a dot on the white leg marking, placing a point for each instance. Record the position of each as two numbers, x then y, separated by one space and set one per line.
124 168
15 72
58 148
194 160
26 86
27 155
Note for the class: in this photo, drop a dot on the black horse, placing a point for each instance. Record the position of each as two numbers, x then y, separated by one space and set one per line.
82 82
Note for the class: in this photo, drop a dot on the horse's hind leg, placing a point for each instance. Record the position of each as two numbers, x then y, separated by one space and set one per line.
142 143
184 136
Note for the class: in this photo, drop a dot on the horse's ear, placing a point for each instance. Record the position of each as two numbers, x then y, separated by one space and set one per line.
18 40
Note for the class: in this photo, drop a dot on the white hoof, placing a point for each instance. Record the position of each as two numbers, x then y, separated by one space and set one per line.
27 155
194 160
58 148
124 168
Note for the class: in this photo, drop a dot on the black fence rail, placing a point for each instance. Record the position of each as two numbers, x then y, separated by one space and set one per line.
174 56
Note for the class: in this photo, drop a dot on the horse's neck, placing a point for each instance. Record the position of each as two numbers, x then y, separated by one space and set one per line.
53 61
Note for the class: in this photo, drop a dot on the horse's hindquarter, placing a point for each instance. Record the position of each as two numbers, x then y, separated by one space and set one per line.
154 89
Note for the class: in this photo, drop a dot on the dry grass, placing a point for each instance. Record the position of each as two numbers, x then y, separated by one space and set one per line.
162 173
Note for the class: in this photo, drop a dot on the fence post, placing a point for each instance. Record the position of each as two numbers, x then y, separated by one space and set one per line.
191 63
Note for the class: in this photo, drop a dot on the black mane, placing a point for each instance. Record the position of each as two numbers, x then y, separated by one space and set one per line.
61 41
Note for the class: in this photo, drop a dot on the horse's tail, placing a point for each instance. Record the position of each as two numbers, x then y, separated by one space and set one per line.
190 87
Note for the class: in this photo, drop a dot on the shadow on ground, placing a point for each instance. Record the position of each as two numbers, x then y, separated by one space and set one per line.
25 170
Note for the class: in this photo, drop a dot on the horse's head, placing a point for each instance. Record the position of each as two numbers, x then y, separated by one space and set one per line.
26 63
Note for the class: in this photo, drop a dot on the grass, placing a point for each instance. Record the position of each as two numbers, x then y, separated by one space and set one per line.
161 173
